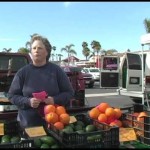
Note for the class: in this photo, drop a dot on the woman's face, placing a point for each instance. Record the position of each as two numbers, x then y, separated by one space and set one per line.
38 52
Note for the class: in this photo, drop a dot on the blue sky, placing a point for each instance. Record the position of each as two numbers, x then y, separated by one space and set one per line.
116 25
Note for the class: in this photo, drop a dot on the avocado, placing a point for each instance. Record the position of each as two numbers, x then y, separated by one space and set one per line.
80 131
5 139
55 146
71 125
78 127
98 137
48 140
45 146
90 128
37 142
91 138
67 130
80 123
15 139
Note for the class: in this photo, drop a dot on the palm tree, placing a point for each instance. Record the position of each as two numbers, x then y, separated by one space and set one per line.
59 56
54 49
34 35
96 46
147 25
92 54
69 51
7 50
28 43
86 50
23 50
111 51
52 56
84 44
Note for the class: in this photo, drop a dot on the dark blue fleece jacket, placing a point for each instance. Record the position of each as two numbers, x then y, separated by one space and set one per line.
29 79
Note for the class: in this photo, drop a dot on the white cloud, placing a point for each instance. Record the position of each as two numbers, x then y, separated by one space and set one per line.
67 4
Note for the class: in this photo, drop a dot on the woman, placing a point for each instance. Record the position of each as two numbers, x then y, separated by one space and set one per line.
39 76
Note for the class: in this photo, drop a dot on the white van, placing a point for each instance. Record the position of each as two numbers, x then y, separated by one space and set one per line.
134 74
131 76
94 72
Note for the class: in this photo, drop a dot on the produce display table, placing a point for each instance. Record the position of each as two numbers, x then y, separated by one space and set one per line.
8 115
71 110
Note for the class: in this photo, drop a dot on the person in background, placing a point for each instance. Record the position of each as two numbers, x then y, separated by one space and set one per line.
36 77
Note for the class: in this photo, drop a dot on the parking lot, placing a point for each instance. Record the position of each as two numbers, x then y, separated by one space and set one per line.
95 95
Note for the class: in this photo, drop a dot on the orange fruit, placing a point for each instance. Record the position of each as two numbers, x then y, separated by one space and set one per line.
118 113
102 118
110 119
49 108
113 124
116 123
94 113
51 117
119 123
60 110
64 118
103 106
141 116
110 112
59 125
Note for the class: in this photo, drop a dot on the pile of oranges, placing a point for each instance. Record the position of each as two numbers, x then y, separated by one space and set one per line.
138 119
57 116
104 113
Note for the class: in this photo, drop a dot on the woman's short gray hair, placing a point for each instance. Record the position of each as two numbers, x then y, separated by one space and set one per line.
44 41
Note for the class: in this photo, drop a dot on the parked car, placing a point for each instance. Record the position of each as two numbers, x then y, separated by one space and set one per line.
10 63
93 71
89 81
88 78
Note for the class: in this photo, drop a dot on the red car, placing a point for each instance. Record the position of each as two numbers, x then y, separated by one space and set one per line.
88 78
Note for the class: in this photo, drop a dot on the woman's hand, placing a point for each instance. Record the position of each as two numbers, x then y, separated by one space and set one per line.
49 100
34 102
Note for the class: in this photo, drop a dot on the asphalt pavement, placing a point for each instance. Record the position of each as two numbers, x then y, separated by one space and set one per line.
96 95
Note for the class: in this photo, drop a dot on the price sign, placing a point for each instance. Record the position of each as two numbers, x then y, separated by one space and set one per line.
35 131
1 128
72 119
127 134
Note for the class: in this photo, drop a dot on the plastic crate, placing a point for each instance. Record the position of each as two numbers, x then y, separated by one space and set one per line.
142 129
26 136
12 128
109 135
22 144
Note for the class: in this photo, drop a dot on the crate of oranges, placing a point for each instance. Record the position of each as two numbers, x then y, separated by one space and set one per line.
139 118
83 132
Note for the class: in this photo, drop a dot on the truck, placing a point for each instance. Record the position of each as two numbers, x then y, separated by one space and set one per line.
135 74
131 73
10 63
